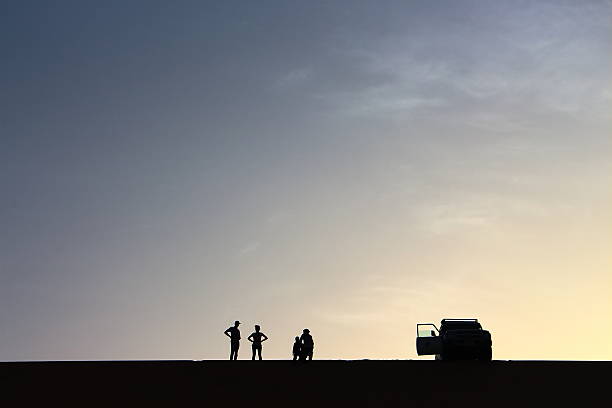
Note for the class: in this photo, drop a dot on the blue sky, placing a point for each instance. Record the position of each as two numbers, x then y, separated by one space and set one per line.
351 167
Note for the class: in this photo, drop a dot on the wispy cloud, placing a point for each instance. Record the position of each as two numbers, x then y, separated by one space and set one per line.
249 248
512 61
294 78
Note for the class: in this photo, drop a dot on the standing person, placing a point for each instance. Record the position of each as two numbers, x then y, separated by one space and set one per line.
297 348
257 338
234 334
307 345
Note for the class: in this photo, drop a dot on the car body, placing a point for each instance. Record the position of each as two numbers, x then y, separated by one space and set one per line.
457 339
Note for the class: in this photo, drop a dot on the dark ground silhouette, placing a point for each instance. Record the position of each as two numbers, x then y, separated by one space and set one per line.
319 383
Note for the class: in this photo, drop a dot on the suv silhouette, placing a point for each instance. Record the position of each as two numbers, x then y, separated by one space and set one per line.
457 339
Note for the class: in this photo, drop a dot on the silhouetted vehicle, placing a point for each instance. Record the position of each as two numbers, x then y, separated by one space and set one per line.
457 339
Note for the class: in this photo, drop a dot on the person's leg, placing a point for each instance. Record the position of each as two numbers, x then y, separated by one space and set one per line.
235 347
254 351
259 352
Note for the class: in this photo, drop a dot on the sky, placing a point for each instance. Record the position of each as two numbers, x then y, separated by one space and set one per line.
351 167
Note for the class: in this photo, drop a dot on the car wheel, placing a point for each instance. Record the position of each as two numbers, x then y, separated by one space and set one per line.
486 355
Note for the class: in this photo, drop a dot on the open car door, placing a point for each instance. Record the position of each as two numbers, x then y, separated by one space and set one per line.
428 340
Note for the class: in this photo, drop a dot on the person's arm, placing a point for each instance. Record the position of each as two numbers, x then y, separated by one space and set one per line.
250 338
227 333
264 337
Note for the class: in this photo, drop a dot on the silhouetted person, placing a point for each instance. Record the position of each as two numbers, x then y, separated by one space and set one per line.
297 348
257 338
234 334
307 346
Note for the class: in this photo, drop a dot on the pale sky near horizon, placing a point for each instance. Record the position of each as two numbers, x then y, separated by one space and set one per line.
353 167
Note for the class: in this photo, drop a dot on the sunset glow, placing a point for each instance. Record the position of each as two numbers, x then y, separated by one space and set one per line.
353 168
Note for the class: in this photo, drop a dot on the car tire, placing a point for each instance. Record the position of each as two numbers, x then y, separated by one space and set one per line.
486 355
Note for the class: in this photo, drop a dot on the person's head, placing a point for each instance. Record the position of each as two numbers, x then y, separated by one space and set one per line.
297 339
306 331
257 328
236 323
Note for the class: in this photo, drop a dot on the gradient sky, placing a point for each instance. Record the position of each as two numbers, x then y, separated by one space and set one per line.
167 167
